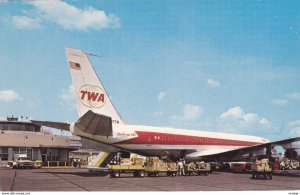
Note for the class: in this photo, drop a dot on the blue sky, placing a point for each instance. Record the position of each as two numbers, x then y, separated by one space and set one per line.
224 66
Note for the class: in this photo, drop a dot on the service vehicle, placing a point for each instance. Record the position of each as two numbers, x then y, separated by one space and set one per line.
37 164
225 166
128 165
243 166
21 161
197 168
289 164
203 168
140 167
262 168
10 164
215 166
154 166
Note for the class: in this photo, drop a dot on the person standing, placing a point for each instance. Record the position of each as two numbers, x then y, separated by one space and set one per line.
181 168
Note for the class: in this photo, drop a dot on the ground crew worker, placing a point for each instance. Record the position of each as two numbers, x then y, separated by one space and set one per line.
181 168
78 163
75 162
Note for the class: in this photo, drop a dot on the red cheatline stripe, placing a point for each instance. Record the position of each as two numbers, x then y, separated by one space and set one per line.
174 139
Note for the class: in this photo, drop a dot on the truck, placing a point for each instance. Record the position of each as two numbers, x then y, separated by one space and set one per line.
262 168
21 161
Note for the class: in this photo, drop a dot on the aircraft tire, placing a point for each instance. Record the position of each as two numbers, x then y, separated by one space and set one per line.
141 174
136 174
270 176
117 174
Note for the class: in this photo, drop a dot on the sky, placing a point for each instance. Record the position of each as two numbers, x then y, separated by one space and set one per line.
223 66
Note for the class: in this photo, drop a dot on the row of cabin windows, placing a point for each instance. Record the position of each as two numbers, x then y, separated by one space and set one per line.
216 141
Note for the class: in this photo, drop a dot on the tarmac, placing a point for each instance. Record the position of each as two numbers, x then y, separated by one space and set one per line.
72 179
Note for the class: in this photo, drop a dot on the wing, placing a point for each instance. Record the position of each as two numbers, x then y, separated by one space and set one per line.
222 154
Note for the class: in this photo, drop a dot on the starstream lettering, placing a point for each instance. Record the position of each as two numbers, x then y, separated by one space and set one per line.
15 193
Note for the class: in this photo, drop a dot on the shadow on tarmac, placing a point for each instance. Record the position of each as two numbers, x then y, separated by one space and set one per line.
82 174
104 174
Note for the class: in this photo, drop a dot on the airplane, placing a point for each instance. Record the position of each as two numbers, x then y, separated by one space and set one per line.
100 122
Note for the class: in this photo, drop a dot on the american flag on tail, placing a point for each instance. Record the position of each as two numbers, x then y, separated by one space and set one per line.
75 66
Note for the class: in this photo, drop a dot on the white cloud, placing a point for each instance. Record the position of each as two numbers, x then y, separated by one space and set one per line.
189 112
67 97
235 119
294 127
288 98
213 83
250 117
71 17
161 96
294 96
265 122
9 95
3 1
280 102
159 113
235 113
68 94
192 112
26 23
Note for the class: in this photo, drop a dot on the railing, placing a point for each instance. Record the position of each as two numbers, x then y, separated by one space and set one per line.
58 164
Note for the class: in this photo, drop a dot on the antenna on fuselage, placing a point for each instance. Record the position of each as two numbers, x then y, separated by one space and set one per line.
91 54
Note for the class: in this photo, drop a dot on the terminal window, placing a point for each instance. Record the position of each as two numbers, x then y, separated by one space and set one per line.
4 153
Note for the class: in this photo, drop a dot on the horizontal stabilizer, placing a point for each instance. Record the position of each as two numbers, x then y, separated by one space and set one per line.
56 125
95 124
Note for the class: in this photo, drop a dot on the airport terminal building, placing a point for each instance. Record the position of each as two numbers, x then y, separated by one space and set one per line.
19 136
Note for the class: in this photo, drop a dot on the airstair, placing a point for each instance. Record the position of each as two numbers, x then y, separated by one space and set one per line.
101 160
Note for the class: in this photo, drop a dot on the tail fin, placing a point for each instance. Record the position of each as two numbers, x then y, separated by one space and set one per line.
89 91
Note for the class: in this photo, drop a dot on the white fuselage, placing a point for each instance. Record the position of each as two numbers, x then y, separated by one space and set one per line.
160 141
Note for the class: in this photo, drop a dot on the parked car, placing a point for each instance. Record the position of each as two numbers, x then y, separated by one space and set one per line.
21 161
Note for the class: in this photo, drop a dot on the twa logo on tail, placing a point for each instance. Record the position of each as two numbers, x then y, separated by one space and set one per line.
92 96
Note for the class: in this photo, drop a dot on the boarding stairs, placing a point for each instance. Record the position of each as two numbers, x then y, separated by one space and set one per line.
102 159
